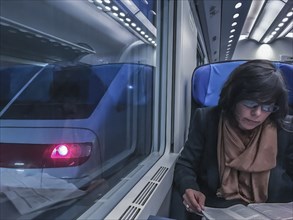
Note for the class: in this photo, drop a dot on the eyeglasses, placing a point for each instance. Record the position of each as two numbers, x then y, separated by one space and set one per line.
264 107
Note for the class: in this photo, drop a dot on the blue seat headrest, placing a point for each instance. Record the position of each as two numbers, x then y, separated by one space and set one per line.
208 80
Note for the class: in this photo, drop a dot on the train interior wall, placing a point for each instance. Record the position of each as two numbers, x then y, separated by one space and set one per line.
249 49
185 62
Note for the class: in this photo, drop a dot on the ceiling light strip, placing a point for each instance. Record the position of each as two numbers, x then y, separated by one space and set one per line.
266 18
232 34
126 14
287 30
282 21
253 13
130 16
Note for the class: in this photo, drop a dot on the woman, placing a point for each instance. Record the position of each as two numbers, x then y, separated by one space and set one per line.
237 152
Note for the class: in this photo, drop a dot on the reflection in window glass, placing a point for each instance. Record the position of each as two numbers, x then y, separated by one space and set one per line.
76 103
12 82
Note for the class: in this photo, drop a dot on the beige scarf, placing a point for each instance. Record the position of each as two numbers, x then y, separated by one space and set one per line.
245 161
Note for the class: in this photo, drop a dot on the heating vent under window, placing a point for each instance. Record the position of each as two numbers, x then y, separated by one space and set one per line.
132 211
144 195
159 174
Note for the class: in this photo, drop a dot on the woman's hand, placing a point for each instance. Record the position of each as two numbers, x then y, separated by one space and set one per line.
194 200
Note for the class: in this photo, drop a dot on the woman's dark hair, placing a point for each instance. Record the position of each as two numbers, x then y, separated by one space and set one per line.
257 80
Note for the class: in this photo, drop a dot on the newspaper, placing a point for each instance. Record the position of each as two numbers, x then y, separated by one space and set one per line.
256 211
27 195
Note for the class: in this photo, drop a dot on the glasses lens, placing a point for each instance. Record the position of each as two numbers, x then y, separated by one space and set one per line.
250 104
270 108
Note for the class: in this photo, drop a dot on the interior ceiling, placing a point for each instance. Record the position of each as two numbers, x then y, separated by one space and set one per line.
216 17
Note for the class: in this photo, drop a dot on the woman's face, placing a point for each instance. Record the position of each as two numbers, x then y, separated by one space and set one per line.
249 118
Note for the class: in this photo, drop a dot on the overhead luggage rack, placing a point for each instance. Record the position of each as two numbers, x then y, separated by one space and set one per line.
17 40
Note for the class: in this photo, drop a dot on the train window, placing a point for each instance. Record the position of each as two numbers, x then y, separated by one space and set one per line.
76 104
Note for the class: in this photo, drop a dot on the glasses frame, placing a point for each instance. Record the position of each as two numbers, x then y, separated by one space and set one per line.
264 107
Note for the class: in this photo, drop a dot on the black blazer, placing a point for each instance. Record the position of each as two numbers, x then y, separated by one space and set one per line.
197 165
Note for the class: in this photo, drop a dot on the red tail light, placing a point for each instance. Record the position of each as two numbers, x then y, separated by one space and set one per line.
63 151
44 155
67 155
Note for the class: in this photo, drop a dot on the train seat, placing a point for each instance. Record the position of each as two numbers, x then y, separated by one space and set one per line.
208 80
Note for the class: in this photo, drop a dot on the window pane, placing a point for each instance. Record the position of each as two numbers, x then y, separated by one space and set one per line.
76 103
